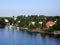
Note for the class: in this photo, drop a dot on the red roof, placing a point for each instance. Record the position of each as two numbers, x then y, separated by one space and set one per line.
49 23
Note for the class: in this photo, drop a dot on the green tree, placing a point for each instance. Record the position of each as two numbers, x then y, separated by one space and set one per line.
57 25
2 22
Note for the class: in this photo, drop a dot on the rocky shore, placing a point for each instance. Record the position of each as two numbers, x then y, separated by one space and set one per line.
38 30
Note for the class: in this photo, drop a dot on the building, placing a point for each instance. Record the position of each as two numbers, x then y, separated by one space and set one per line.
7 22
49 24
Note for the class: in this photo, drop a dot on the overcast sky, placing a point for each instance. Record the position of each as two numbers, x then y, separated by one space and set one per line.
28 7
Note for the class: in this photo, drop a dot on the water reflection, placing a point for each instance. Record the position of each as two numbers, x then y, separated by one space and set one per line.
19 37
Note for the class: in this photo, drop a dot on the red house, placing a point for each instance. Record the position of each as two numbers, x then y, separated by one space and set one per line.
50 23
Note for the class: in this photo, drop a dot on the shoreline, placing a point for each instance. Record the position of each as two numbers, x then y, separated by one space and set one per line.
36 30
39 31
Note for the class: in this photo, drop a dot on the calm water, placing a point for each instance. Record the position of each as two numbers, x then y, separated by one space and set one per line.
18 37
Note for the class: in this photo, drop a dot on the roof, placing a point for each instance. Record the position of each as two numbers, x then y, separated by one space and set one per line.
50 23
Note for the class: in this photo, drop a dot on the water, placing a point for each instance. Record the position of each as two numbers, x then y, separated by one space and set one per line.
18 37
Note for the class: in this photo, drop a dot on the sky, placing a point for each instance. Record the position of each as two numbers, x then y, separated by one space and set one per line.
29 7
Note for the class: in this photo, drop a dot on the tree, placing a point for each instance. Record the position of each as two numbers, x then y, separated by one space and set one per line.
57 25
2 22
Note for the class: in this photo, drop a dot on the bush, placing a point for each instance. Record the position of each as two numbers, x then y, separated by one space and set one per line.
49 30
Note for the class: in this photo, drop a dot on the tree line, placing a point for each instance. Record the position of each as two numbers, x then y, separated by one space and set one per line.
25 21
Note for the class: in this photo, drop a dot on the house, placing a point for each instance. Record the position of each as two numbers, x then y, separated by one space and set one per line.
33 23
40 22
49 24
7 22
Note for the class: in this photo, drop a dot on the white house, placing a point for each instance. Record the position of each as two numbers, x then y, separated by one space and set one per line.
40 22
